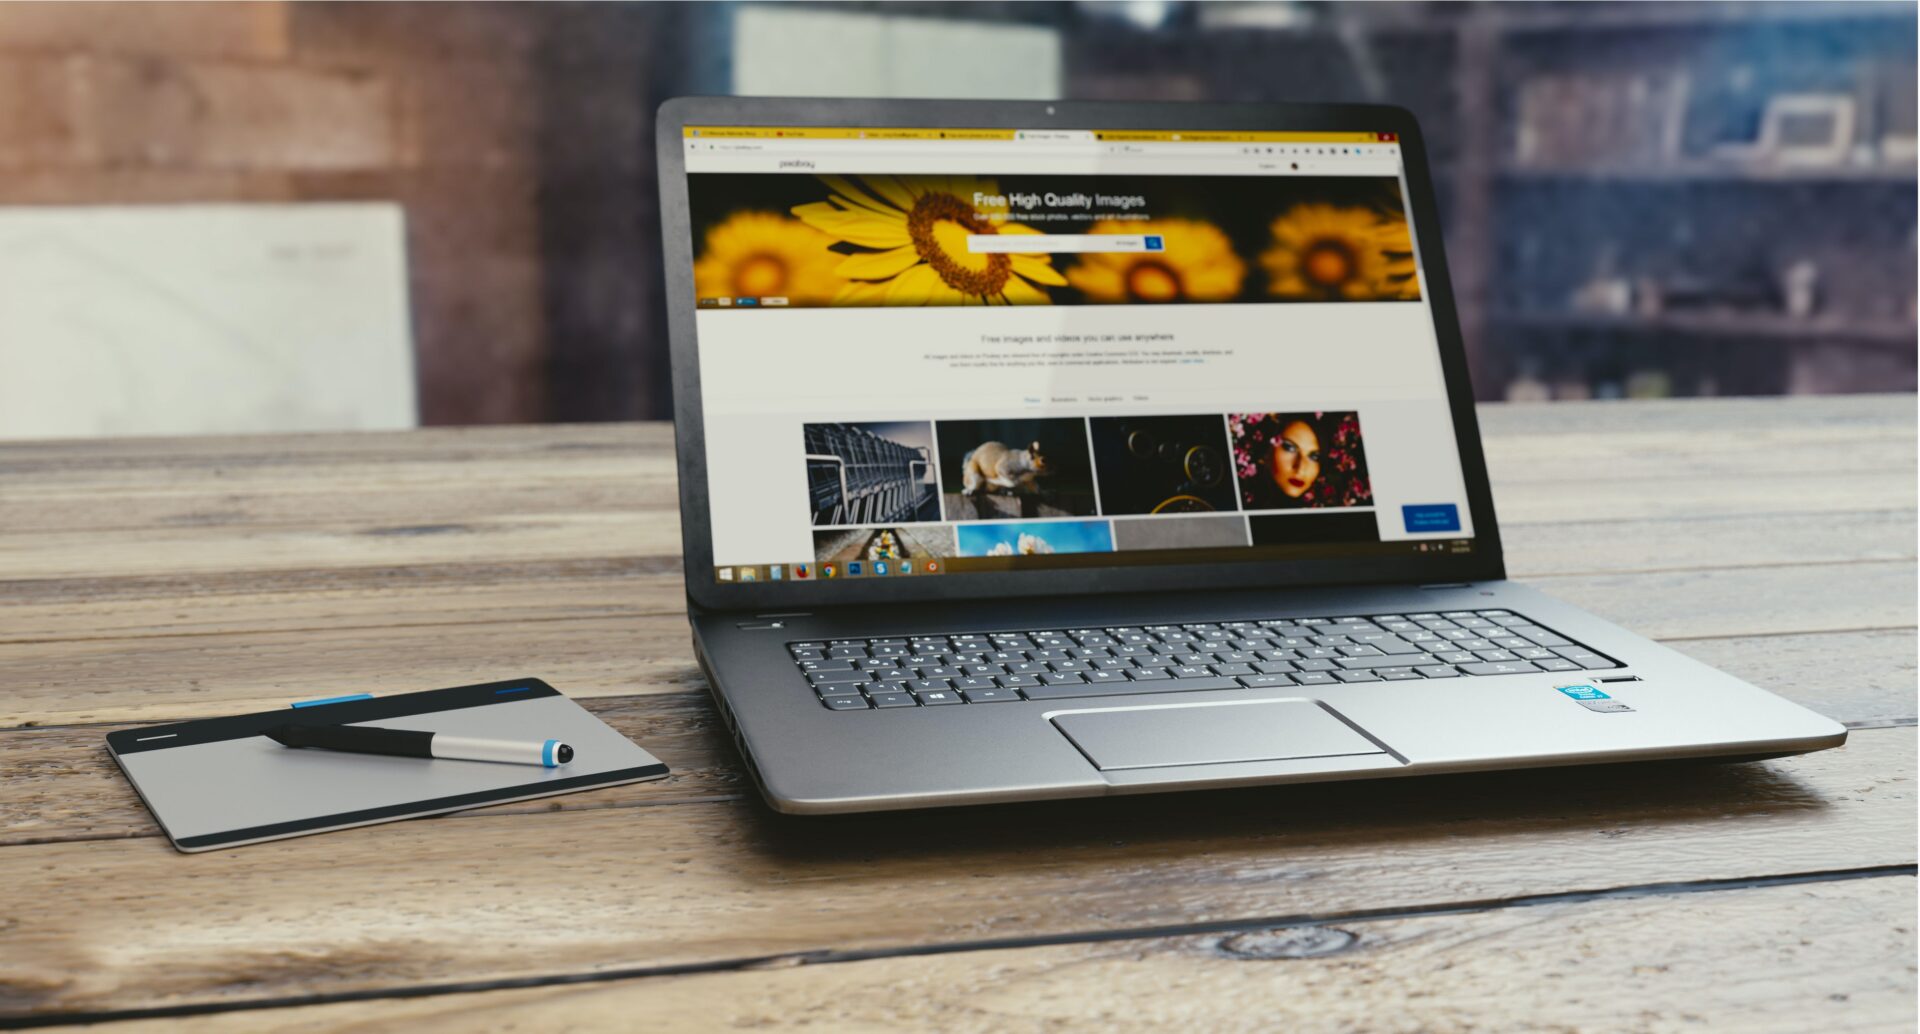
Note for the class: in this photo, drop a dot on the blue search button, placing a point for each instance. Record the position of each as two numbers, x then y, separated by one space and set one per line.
1155 243
1431 517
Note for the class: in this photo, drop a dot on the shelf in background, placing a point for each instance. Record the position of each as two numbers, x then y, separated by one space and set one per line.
1701 172
1772 328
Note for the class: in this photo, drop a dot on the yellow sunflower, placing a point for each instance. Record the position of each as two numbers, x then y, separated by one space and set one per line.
914 230
766 254
1324 252
1198 265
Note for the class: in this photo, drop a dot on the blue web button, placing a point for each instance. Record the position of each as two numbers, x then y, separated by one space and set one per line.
1431 517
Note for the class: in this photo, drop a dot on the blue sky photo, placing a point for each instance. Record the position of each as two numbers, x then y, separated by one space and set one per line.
1060 536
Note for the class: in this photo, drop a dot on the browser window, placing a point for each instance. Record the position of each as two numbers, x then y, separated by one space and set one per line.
940 351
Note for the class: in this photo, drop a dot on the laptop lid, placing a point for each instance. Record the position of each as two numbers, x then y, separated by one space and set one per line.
936 350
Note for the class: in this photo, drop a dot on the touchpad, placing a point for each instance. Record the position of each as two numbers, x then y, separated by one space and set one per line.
1166 735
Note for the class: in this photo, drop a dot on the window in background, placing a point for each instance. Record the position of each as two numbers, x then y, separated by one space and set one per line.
788 50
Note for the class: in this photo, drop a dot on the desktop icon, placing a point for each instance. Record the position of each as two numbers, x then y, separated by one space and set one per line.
802 572
726 574
748 574
879 567
826 570
933 567
773 573
853 568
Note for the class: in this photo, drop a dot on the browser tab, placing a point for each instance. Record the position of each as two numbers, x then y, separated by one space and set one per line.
1055 136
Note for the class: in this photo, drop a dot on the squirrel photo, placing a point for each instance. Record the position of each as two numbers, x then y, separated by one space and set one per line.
992 464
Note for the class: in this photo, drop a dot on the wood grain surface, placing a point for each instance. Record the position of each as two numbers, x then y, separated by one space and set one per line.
152 580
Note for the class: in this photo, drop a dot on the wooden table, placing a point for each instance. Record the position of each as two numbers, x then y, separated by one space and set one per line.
143 581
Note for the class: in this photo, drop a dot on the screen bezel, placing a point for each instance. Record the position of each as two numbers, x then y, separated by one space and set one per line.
1482 563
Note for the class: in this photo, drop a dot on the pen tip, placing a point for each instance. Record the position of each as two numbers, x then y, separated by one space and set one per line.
563 753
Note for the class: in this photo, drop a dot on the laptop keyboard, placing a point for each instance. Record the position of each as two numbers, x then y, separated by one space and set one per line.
1055 664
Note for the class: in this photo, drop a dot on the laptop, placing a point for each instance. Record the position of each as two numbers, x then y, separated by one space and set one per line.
1048 450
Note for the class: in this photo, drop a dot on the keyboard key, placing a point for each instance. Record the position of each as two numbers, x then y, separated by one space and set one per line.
1016 681
1396 674
1117 689
842 689
1534 653
852 703
1499 668
1438 671
1071 666
1584 657
1314 678
1539 636
1232 669
826 665
1063 678
1190 671
1495 655
1456 657
822 678
1148 674
975 682
1273 667
1556 664
1264 681
1359 663
1359 675
1360 650
1315 664
893 700
929 685
938 697
990 696
1396 645
1097 677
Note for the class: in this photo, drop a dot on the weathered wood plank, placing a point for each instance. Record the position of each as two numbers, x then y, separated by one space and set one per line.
1783 958
117 924
609 629
59 784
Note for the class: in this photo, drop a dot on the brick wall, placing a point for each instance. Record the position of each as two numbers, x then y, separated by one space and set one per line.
434 106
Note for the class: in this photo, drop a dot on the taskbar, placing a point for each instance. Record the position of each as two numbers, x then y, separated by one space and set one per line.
928 566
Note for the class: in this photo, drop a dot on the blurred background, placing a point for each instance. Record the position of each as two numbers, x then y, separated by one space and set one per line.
303 215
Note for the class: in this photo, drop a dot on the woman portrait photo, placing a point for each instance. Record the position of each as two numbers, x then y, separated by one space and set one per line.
1290 461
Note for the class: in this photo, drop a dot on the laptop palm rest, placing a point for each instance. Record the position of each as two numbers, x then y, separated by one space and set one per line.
1173 735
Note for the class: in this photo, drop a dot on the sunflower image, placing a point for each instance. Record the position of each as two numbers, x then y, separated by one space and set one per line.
1323 252
766 254
1198 265
912 234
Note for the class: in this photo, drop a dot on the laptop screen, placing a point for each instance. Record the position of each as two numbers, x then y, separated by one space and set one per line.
934 352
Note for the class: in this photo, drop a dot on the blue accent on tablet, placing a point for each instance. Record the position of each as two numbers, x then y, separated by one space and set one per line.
515 689
1431 517
333 700
546 753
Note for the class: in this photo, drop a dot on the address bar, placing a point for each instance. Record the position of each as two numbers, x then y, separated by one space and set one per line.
1057 243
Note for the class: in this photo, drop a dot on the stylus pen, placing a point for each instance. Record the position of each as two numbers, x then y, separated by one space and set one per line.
411 743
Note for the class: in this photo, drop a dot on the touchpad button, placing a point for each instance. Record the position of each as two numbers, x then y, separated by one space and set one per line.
1164 736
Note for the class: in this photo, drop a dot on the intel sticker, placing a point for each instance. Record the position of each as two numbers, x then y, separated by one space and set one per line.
1592 699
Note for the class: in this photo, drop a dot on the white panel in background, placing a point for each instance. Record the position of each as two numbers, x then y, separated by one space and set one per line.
791 51
204 319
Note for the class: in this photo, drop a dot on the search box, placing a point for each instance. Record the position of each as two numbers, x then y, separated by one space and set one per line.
1059 243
